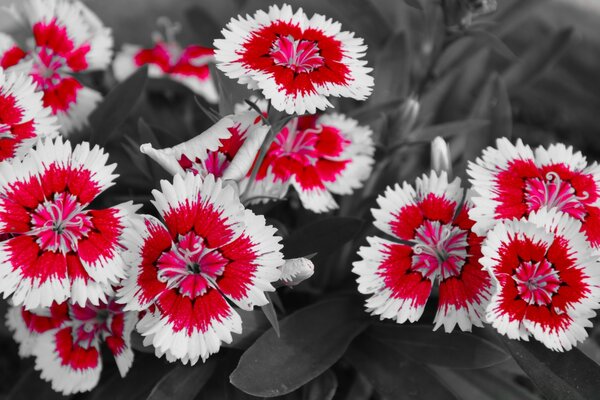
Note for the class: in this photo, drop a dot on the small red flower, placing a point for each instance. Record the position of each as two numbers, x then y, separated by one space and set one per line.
437 245
66 340
546 278
23 119
54 247
167 58
295 61
67 39
209 253
512 181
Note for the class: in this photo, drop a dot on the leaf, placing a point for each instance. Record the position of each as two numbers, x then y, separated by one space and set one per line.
31 386
312 339
392 375
326 234
391 71
494 42
271 315
559 376
453 350
183 382
364 18
203 25
414 4
322 387
147 134
446 130
116 106
536 60
137 384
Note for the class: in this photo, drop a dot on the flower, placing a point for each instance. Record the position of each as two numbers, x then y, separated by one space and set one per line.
319 156
57 248
436 243
226 150
66 339
67 39
546 278
188 66
209 252
512 181
23 119
295 61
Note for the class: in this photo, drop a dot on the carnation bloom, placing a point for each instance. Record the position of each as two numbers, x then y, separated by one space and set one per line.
67 39
55 247
23 119
209 252
512 181
226 150
319 156
546 276
436 244
66 339
167 58
295 61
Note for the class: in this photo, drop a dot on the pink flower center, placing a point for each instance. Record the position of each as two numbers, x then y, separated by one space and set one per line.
60 223
536 282
300 56
296 144
90 322
45 68
191 266
554 192
439 249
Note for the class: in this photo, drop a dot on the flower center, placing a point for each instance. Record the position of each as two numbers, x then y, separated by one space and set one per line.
45 68
90 322
439 249
300 56
60 223
190 266
296 143
555 192
5 131
536 282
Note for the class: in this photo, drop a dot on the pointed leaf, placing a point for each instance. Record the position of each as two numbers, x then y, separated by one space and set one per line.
392 375
183 382
116 106
312 340
326 234
559 376
494 42
321 388
454 350
538 58
271 315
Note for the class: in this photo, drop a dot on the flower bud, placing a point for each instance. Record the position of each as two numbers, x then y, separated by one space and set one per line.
410 112
440 156
296 270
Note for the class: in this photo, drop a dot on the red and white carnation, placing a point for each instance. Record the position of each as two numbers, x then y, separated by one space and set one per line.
209 253
66 340
435 243
54 246
296 62
320 156
512 181
226 150
168 59
67 39
23 118
546 279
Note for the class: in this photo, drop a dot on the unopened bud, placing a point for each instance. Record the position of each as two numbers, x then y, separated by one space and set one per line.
440 156
296 270
410 112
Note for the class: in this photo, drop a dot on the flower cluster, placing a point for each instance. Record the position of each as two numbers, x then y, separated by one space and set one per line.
518 252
